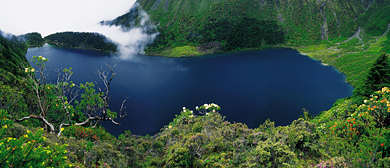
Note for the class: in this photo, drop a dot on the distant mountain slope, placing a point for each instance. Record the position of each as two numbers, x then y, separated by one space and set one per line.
12 56
238 24
81 40
34 39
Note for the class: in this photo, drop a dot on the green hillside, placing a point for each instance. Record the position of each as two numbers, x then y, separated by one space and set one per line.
34 39
268 22
346 34
12 56
81 40
251 25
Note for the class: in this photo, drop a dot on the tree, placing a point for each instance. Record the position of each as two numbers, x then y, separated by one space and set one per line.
377 78
57 105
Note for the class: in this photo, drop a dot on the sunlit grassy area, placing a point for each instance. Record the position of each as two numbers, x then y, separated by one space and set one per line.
352 57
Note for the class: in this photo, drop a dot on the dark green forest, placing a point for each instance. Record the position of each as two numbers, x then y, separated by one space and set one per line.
11 56
82 40
34 39
274 23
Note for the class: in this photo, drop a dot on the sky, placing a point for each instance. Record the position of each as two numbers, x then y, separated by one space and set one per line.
50 16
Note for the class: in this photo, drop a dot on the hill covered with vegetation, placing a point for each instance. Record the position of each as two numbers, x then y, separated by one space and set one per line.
82 40
12 56
34 39
42 124
249 25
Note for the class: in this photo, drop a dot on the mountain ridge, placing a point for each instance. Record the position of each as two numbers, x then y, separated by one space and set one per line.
299 23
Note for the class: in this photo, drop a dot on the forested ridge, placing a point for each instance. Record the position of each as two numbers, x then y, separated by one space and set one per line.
12 56
261 24
82 40
294 23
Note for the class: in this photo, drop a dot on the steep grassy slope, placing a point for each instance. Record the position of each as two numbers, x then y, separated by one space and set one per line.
354 55
236 23
12 56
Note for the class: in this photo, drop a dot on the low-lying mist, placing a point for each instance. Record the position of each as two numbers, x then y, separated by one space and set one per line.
134 38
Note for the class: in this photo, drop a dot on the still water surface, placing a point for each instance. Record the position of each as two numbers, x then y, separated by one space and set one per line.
249 86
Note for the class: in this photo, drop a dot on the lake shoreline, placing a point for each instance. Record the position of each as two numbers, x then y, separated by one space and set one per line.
253 83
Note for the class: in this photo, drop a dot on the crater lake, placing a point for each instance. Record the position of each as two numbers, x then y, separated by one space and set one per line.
249 86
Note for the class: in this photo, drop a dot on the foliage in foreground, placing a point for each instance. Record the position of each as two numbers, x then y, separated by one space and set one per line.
55 106
27 150
348 135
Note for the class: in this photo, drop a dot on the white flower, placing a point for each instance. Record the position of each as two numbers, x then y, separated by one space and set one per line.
73 84
205 105
213 110
43 58
365 101
184 108
197 107
192 112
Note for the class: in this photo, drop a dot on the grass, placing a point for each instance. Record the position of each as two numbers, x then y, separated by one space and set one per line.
353 57
377 46
184 51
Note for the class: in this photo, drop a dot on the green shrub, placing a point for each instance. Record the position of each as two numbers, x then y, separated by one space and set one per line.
270 154
92 134
179 157
197 127
105 154
301 136
333 162
27 150
383 162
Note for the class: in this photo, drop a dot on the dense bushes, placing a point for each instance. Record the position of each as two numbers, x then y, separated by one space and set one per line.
271 154
377 77
27 150
87 133
34 39
347 135
12 56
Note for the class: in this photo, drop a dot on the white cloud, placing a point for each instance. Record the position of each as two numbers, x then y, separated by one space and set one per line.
50 16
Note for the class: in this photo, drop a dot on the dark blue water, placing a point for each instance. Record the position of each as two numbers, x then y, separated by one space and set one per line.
250 86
